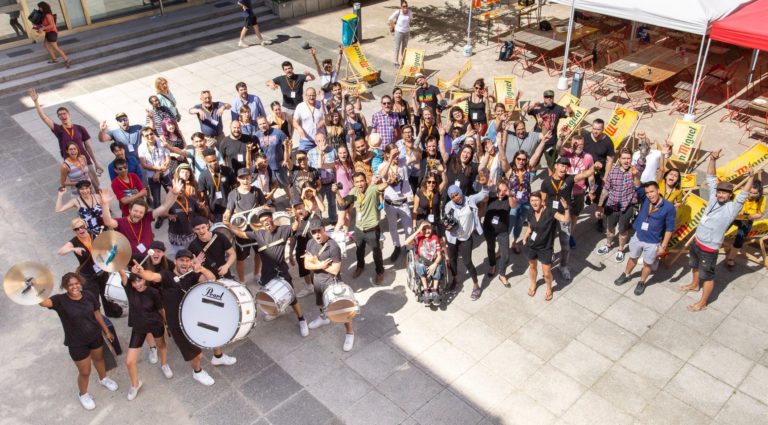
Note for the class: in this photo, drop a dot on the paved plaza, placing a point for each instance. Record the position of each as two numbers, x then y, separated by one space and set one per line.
595 354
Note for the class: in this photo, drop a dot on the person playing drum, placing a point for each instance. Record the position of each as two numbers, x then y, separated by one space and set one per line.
219 253
323 258
188 270
271 241
244 198
146 316
83 327
298 243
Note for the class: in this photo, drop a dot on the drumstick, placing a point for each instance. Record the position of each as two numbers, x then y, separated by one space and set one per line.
150 253
208 245
177 279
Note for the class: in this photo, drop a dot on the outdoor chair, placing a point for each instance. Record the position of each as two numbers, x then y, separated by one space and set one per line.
718 77
525 58
735 108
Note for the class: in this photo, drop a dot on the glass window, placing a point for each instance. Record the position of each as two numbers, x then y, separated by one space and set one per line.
11 22
102 10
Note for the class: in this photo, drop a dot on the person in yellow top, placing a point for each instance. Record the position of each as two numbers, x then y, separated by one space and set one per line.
753 209
669 187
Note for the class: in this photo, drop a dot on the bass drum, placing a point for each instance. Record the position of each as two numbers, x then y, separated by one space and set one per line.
214 314
340 303
115 291
275 296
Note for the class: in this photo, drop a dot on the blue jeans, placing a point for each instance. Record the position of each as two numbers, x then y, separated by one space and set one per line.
517 217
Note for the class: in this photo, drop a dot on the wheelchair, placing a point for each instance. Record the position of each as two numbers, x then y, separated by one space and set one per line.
416 286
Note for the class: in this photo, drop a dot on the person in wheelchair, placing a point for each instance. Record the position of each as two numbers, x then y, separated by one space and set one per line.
429 266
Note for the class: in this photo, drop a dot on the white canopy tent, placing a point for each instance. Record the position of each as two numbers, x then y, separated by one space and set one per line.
693 16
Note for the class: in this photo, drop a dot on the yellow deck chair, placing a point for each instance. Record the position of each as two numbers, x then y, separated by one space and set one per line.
413 63
454 83
358 69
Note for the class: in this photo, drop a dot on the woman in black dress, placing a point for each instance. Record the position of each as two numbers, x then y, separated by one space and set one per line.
539 240
83 328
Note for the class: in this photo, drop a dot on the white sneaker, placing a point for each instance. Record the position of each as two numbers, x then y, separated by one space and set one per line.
153 355
349 341
269 317
265 42
566 273
241 44
306 290
134 391
167 372
224 360
109 384
318 322
87 401
203 377
303 328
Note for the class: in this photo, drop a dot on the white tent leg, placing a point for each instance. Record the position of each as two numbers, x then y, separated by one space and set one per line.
755 53
562 83
700 64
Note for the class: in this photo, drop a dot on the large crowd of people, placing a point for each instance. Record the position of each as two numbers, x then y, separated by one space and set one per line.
292 182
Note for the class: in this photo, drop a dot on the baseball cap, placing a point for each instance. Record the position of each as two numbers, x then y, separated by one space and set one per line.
198 220
121 115
725 186
157 245
549 93
243 172
184 253
563 160
419 75
315 224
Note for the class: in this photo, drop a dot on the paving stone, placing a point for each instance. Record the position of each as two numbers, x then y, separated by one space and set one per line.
541 339
607 338
301 409
250 361
742 410
373 409
652 363
592 409
237 408
512 362
339 389
482 388
756 383
519 409
502 317
666 409
376 362
553 389
270 388
581 363
593 296
703 322
625 390
631 316
753 312
657 297
452 361
742 338
475 337
409 388
700 390
567 316
447 409
722 363
310 362
674 338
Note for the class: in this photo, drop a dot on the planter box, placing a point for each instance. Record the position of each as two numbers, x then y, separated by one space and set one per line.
299 8
285 10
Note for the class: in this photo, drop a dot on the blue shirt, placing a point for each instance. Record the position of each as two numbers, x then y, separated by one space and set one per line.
272 144
211 126
133 167
660 220
130 139
253 102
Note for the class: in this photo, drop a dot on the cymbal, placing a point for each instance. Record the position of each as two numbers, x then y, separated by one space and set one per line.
28 283
111 251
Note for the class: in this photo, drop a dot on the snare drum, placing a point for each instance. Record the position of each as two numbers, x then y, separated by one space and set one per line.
213 314
275 296
340 303
224 232
115 291
282 218
340 237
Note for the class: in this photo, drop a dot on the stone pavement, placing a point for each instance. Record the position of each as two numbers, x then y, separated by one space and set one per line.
596 354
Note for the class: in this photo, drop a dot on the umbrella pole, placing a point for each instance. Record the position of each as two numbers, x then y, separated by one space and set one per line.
700 64
755 53
562 83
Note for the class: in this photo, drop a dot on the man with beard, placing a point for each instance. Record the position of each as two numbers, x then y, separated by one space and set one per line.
210 114
291 86
237 146
276 146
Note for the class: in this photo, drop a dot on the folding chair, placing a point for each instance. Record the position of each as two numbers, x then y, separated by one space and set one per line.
735 108
616 84
594 85
358 70
523 57
718 77
643 100
454 83
682 97
413 63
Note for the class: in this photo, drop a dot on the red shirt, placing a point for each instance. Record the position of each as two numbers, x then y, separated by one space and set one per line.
139 233
123 189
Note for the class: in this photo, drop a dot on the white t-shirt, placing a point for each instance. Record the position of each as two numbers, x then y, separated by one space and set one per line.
403 23
652 161
309 118
155 158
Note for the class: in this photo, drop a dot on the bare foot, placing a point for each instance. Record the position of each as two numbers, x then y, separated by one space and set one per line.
532 290
688 288
696 307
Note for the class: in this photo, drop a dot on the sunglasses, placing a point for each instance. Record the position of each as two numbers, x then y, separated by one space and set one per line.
77 229
303 158
386 103
122 119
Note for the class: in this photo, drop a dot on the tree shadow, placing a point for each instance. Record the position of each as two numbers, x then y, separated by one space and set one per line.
430 24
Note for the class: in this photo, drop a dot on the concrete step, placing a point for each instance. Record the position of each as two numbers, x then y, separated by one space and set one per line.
105 36
116 56
127 44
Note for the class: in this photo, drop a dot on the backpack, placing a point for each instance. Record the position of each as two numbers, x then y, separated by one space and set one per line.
36 17
506 51
545 26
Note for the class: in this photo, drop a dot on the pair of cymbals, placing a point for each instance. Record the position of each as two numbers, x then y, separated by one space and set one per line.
28 283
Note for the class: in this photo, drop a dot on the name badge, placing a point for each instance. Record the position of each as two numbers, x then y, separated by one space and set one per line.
457 183
423 105
141 247
293 95
130 148
555 204
214 121
495 220
431 218
223 179
239 157
219 195
644 226
533 236
519 194
474 115
402 121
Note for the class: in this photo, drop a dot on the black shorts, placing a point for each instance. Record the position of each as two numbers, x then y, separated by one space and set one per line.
51 37
616 216
81 352
577 204
299 254
242 254
544 256
704 261
139 335
249 21
188 350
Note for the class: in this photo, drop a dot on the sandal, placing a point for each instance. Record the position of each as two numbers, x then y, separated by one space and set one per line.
548 295
532 291
504 282
475 294
67 63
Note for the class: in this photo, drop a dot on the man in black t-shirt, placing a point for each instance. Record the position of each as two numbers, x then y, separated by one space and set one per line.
555 189
244 198
600 146
291 86
539 239
235 147
188 270
219 253
426 95
271 241
214 184
323 258
548 115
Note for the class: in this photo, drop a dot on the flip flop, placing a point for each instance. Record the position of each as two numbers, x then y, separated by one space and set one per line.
475 294
53 61
531 291
684 289
695 307
504 282
548 296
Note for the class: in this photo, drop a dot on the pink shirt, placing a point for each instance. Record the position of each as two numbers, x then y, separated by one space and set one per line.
578 164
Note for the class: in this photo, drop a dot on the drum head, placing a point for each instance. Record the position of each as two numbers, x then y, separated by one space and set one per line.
342 311
267 303
223 231
209 314
282 218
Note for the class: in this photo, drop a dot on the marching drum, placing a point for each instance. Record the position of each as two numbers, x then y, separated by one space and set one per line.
275 296
282 218
340 303
223 231
115 291
341 240
213 314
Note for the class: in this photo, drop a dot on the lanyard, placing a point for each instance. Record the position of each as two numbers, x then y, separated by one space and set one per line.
71 133
520 178
360 199
122 183
429 198
87 244
557 188
653 208
141 229
312 110
713 210
290 82
184 207
215 182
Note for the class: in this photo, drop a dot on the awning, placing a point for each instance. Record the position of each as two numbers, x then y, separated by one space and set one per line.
746 27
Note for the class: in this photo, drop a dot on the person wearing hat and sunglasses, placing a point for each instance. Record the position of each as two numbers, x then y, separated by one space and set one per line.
717 217
126 134
548 114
